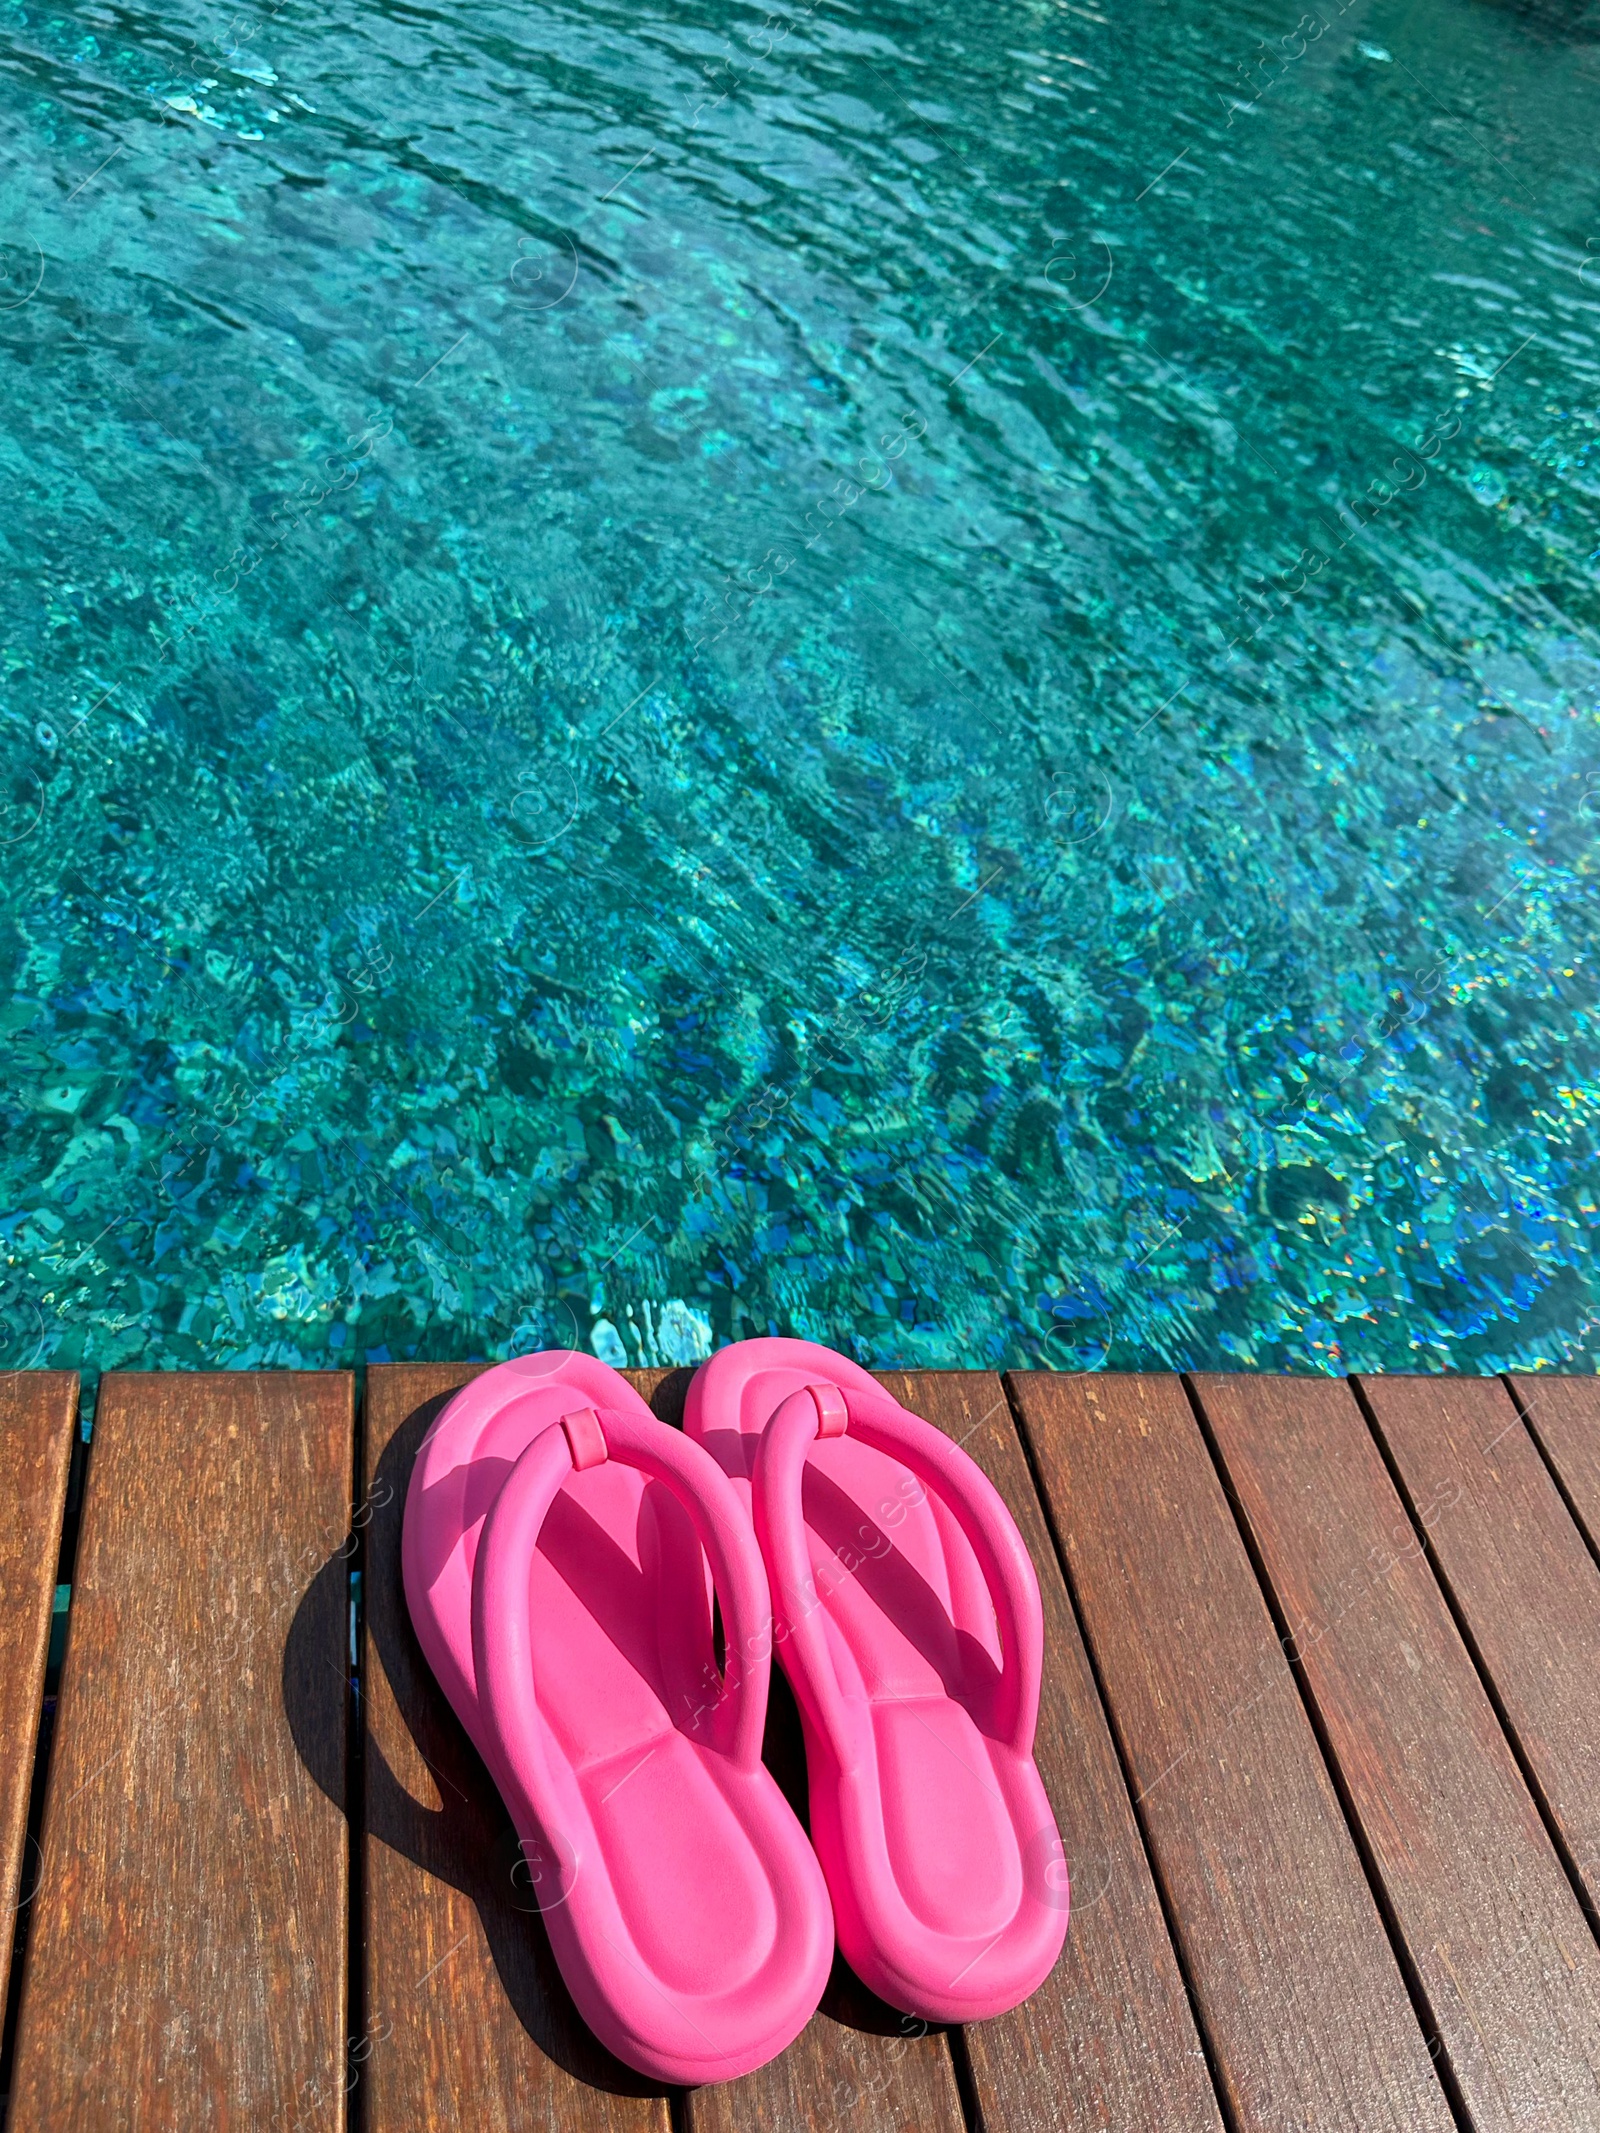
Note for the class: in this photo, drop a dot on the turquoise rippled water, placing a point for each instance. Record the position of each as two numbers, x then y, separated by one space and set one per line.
924 676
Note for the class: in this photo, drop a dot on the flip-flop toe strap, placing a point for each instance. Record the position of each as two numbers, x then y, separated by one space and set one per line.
504 1635
973 1501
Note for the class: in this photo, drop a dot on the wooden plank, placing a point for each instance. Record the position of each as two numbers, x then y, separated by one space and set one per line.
1521 1579
1297 1988
187 1965
1499 1945
467 2023
1109 2039
1564 1414
38 1409
857 2062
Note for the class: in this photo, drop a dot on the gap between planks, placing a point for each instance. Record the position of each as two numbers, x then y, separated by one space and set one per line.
1529 1395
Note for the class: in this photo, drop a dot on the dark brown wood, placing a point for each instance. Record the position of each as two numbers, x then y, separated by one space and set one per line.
187 1962
467 2021
1564 1414
842 2071
1109 2039
38 1409
1305 2010
1520 1576
1504 1957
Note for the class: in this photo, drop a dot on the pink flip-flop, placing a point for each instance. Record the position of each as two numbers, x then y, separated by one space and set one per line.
555 1549
909 1624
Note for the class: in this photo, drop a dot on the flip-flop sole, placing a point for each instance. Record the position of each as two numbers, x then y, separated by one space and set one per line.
570 1606
938 1842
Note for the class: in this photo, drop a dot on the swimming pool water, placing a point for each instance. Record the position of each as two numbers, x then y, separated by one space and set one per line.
926 676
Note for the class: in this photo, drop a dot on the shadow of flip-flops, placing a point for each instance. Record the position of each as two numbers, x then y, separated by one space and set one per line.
467 1840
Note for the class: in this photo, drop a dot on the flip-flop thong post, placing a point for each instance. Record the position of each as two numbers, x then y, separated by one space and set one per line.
556 1542
907 1618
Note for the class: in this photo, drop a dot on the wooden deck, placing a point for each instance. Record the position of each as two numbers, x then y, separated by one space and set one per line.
1321 1723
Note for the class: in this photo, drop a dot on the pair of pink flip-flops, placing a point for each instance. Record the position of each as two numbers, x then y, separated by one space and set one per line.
557 1537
